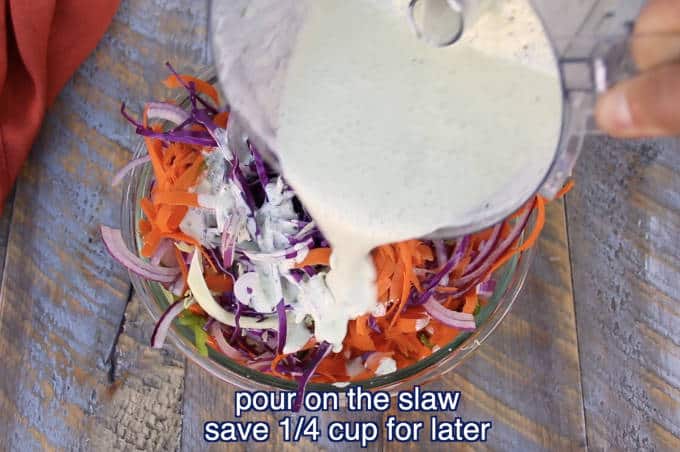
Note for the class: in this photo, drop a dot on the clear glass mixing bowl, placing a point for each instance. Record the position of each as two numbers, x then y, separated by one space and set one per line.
510 279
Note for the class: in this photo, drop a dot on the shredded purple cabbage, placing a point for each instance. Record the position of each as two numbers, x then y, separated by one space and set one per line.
319 354
281 312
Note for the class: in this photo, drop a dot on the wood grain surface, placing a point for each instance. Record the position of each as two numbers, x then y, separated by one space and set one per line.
624 230
5 220
589 357
63 299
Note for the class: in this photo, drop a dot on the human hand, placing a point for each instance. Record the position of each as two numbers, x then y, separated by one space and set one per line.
648 105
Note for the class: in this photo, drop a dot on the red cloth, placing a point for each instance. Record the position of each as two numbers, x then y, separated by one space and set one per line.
42 42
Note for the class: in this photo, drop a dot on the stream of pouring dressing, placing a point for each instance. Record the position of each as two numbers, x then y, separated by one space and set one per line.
385 138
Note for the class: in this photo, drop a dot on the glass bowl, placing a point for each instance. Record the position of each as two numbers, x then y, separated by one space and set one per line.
510 279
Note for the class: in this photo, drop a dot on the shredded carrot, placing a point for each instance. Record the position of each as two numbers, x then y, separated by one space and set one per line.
538 227
148 208
190 176
529 241
396 287
144 226
405 293
177 198
151 242
406 325
471 303
333 367
275 362
454 303
519 212
316 256
220 119
443 334
278 358
182 237
202 86
566 189
208 258
195 308
357 340
362 325
219 282
153 148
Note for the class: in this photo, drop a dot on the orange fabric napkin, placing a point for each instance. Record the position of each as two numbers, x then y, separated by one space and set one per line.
42 42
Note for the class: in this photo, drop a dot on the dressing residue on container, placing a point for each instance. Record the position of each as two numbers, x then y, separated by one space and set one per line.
385 138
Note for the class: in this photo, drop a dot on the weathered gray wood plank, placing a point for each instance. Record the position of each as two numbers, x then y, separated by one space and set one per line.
207 398
624 224
142 408
63 297
5 220
525 377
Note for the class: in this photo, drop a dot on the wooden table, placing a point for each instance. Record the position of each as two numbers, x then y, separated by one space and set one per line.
588 358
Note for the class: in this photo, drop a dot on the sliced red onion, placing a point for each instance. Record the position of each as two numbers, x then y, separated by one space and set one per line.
218 262
456 257
321 352
486 288
440 252
179 136
423 272
260 365
166 112
215 330
283 327
458 254
120 175
129 118
116 246
177 286
163 247
229 235
496 253
456 294
486 249
160 331
244 287
459 320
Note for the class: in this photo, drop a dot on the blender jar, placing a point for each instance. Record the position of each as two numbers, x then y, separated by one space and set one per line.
254 40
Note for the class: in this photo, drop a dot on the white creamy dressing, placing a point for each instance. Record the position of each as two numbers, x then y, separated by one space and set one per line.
385 138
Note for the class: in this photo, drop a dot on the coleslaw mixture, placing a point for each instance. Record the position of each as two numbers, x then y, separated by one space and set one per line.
245 265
